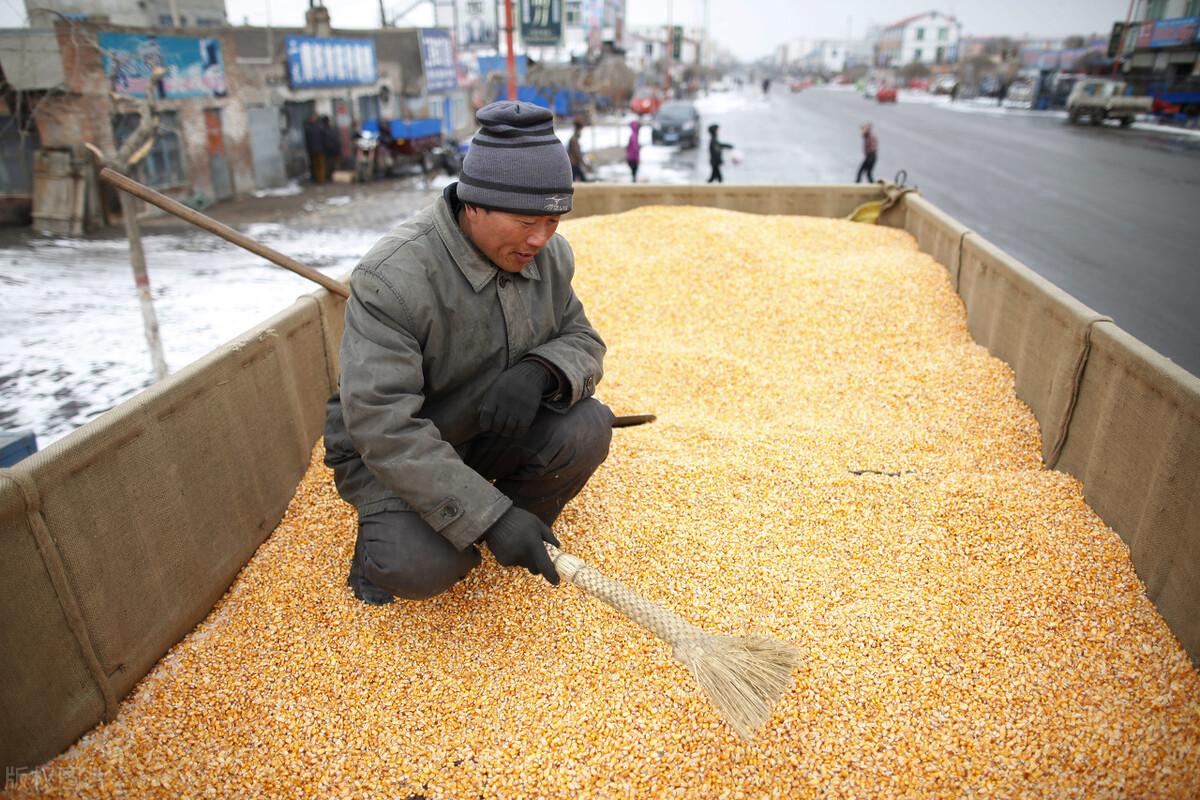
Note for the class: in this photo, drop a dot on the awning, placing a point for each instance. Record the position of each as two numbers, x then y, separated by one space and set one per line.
31 60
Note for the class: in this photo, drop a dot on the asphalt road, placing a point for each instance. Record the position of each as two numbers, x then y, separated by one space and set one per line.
1108 214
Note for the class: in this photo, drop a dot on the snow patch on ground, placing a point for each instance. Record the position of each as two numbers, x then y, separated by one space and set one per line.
283 191
206 292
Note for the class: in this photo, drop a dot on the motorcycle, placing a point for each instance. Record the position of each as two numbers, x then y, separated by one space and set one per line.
366 149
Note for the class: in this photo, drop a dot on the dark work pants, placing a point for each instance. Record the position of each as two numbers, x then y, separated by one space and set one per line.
716 174
868 167
539 472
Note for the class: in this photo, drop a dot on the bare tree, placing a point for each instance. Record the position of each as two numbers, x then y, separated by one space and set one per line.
132 150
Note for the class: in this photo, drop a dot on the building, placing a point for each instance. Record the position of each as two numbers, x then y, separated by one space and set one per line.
1160 51
231 106
929 38
823 56
138 13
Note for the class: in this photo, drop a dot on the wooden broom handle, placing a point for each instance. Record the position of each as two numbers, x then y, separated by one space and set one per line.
227 233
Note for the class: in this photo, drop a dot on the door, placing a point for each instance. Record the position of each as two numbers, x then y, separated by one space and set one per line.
266 147
343 122
215 144
295 154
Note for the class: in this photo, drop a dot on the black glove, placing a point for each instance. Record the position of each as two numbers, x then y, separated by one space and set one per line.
512 401
516 540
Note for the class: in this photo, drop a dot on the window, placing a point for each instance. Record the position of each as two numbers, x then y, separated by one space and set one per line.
1193 9
941 55
917 54
574 13
920 34
1156 10
163 166
942 34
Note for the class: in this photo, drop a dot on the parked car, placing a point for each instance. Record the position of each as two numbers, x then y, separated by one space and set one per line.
871 90
722 85
677 122
886 94
1020 95
645 101
920 84
799 84
1099 99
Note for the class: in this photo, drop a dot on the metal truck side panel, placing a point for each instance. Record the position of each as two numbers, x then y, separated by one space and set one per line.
49 689
1134 441
1038 329
153 508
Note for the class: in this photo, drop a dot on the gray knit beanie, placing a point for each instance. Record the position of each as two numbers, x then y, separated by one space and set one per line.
516 163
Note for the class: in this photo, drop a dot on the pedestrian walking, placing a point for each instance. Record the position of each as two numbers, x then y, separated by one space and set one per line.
870 148
314 145
716 158
332 146
633 150
575 154
465 415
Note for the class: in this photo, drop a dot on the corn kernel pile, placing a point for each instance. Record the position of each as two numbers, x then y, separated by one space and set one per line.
835 463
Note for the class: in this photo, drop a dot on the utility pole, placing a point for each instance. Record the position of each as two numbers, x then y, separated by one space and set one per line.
670 48
512 59
1121 43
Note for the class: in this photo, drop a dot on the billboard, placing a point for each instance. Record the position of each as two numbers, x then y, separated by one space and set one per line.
437 59
1172 32
541 22
477 26
319 62
194 65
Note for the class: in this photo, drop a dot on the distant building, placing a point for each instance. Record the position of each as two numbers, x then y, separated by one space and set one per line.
1160 51
929 38
140 13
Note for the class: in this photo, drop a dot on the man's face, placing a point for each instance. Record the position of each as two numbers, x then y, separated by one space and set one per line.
510 241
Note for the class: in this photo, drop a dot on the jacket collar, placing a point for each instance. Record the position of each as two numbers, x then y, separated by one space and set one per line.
475 267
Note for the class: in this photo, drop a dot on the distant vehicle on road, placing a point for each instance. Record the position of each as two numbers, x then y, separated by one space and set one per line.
677 122
722 85
886 94
871 89
1099 99
799 84
920 84
645 101
1020 95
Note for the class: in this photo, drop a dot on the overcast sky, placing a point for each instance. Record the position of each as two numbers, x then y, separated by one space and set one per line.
749 28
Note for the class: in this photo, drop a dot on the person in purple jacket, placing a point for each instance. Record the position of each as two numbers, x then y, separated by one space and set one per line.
870 148
633 150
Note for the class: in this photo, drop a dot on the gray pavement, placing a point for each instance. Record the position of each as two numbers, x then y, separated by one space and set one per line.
1108 214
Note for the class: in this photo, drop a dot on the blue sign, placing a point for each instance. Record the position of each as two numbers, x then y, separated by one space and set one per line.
490 64
1172 32
316 62
437 56
193 65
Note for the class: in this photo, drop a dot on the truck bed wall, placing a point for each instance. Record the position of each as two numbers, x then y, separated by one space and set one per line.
117 540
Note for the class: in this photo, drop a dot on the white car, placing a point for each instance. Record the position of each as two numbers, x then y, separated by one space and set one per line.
1020 95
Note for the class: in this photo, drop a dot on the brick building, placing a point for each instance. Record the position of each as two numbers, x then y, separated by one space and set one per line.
231 106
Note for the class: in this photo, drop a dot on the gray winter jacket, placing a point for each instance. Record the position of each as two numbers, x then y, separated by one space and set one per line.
430 323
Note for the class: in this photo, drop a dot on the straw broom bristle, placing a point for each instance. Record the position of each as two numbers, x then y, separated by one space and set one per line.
743 675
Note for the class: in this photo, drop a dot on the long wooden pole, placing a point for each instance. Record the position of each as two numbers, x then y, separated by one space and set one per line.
227 233
241 240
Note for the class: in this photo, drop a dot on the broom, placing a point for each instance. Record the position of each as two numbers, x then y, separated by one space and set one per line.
742 675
